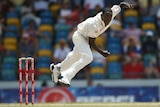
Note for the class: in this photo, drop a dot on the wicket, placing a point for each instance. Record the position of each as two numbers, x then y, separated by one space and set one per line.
26 70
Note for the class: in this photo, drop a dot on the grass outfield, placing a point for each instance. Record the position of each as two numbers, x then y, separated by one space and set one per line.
85 105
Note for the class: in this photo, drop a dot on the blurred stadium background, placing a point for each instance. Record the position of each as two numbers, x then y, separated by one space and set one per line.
43 28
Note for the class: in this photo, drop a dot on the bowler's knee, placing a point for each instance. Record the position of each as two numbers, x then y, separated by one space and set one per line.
87 58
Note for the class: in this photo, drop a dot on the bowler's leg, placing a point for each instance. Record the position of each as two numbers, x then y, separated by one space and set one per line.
70 59
82 49
85 58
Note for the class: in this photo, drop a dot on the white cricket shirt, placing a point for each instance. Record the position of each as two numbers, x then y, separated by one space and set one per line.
95 26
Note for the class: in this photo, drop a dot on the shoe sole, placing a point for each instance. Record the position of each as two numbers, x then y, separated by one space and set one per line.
63 84
53 75
51 69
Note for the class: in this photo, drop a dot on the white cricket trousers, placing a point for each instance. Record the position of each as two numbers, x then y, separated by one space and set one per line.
78 58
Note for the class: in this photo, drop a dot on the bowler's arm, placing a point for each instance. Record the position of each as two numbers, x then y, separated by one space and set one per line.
95 47
126 5
117 8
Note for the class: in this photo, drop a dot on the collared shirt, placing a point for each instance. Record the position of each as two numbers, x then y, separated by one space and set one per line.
95 26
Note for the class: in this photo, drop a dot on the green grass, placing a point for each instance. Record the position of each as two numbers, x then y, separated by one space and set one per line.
85 105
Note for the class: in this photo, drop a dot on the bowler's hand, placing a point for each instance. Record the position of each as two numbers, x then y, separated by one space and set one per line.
126 5
105 53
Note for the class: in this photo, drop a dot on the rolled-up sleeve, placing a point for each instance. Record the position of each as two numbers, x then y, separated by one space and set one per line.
116 9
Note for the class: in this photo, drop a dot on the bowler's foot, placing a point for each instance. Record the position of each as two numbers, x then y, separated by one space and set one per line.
64 81
55 73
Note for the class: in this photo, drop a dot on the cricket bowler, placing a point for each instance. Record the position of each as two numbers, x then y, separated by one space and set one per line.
83 40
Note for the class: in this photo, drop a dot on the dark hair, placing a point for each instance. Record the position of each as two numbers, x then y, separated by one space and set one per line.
107 11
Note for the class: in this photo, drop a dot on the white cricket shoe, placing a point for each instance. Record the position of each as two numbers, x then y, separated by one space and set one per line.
64 81
55 73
